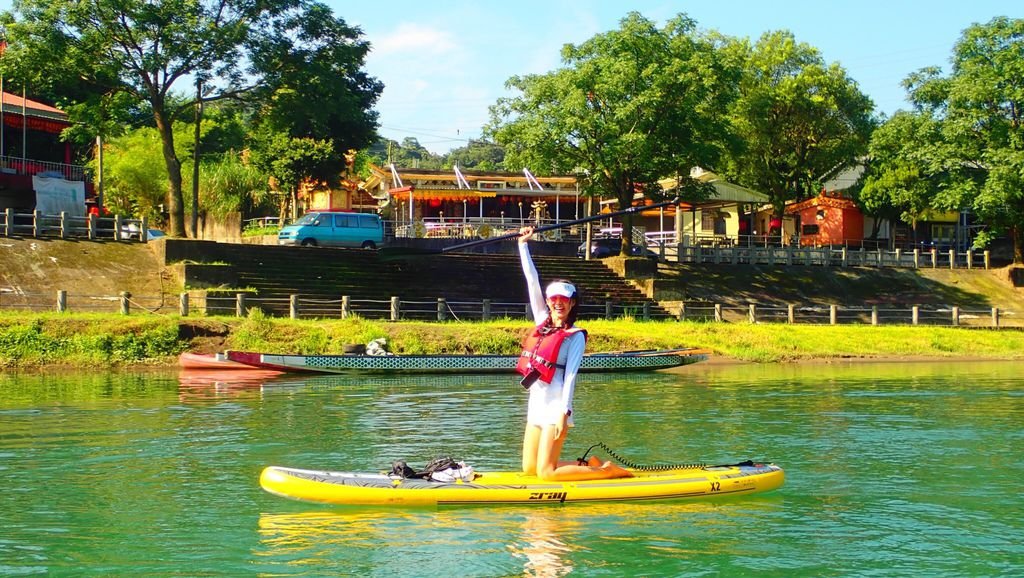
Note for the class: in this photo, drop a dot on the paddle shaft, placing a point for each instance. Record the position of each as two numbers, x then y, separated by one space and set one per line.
508 236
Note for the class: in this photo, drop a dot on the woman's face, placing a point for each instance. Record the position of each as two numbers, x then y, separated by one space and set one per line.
560 307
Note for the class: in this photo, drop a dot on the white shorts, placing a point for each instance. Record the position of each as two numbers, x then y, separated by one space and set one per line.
545 405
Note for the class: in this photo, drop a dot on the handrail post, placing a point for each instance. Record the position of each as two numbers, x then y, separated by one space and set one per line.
144 230
646 309
62 301
833 314
183 304
718 312
485 307
915 315
791 313
874 314
917 258
442 309
987 260
293 306
956 316
752 313
125 302
117 227
682 310
952 258
995 317
346 306
240 309
396 308
8 222
37 217
63 225
607 309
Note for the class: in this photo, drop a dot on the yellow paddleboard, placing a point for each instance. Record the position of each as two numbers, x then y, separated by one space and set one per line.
515 488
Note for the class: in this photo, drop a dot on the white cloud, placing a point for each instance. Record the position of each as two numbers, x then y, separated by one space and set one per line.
414 38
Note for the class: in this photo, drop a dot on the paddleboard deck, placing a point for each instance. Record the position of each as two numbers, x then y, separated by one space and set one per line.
350 488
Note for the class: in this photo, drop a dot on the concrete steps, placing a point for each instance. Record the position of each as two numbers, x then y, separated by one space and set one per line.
275 273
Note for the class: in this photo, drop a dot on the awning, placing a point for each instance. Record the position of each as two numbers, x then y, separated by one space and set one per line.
724 190
444 195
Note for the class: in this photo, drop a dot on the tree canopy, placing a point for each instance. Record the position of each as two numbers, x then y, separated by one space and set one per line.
627 108
304 63
966 147
796 119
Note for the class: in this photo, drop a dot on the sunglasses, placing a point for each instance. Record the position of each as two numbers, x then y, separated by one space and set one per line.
556 298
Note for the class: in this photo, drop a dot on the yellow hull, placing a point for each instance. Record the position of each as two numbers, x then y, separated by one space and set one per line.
515 488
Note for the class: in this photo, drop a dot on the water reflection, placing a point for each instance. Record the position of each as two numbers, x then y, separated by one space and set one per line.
528 541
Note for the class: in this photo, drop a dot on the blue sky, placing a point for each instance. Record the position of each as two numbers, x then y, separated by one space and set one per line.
444 63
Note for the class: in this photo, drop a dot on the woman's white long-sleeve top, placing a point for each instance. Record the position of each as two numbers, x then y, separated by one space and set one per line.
570 355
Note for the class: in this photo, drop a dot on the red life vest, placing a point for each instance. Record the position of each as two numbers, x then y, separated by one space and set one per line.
540 351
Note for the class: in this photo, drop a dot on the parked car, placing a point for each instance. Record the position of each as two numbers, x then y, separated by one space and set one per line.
334 229
601 247
133 231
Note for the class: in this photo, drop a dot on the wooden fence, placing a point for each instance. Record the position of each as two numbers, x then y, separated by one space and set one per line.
441 309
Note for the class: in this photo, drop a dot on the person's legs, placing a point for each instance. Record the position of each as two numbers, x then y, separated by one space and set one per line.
531 439
549 449
549 468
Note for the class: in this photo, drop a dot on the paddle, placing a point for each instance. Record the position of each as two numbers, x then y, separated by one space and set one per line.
509 236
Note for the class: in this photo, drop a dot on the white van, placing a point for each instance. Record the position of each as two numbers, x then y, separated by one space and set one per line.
334 229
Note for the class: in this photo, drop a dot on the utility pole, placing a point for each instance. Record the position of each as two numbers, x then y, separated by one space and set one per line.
195 161
99 174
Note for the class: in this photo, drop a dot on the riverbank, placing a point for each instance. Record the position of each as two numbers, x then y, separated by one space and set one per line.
55 340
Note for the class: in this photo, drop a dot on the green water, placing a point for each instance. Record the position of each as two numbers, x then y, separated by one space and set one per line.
892 470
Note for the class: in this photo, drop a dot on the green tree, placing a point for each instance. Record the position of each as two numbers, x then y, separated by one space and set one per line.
144 49
230 184
628 107
135 175
478 154
314 90
980 105
796 119
902 176
291 161
407 154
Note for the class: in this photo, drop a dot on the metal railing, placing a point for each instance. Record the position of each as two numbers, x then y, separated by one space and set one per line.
65 226
477 228
20 166
825 256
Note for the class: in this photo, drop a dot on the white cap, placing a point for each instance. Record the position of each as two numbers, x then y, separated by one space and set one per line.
560 288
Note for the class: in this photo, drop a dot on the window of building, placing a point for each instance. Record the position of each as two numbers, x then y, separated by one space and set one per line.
943 233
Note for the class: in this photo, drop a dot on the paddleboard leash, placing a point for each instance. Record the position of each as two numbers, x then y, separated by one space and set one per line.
640 467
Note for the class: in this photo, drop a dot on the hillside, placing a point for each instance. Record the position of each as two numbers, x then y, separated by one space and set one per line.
105 268
39 267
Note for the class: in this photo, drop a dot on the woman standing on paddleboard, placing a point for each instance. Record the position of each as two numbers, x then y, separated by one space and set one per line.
550 361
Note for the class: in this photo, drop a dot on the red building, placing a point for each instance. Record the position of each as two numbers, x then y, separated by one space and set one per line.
828 219
30 144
